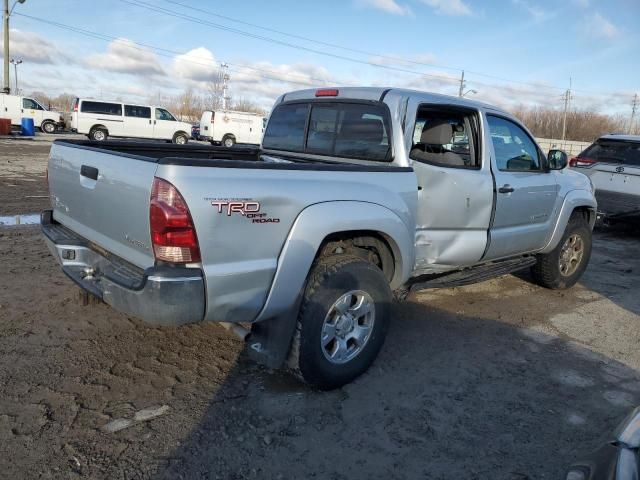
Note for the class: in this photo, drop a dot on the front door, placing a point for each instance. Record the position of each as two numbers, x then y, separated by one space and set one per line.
164 124
526 191
32 109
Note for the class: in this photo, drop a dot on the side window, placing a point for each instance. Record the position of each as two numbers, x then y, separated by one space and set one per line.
514 149
285 129
30 104
162 114
137 111
102 108
445 138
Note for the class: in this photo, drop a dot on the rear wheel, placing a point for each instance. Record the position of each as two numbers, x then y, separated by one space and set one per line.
98 134
564 265
48 127
342 322
228 141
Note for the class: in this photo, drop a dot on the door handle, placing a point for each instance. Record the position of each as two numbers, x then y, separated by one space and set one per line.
149 122
89 172
506 189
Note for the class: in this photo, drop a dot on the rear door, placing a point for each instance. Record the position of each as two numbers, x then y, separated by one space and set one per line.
165 124
108 114
526 191
13 108
104 197
455 187
137 121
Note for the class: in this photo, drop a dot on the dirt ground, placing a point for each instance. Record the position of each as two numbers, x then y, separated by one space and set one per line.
500 380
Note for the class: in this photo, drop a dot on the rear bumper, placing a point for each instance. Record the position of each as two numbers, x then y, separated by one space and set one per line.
157 295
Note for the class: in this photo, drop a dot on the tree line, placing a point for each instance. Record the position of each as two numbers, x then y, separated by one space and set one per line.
543 122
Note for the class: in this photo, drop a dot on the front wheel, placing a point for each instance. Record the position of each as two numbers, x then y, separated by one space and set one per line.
48 127
342 323
564 265
180 138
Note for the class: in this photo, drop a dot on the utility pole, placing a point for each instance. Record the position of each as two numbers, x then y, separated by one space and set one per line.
6 13
5 30
567 106
462 85
225 82
634 107
15 66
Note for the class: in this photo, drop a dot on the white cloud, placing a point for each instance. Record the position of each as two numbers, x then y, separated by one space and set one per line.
598 26
198 64
389 6
30 47
124 56
538 14
449 7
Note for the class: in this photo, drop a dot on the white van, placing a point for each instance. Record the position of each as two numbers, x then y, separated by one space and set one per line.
17 107
99 120
229 128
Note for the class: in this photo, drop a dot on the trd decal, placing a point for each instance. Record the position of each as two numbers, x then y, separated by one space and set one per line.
247 208
236 207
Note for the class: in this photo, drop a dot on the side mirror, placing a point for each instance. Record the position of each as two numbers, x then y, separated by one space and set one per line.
557 159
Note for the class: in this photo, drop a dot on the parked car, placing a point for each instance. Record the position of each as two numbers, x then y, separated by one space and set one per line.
195 131
17 107
228 128
307 237
618 459
100 120
613 165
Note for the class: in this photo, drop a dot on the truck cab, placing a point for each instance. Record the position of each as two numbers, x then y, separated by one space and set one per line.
17 107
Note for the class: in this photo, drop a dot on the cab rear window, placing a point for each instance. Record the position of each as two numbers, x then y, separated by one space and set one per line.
351 130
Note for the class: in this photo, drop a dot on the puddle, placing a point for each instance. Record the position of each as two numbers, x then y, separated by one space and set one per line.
25 219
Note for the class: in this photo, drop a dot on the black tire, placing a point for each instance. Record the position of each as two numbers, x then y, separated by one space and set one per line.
180 138
98 134
547 272
48 127
228 141
330 279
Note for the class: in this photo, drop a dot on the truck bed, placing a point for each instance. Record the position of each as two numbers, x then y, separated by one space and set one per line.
102 193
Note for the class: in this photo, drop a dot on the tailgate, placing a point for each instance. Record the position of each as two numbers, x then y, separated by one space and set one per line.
104 197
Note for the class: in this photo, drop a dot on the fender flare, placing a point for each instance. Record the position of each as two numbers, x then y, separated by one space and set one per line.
574 199
311 228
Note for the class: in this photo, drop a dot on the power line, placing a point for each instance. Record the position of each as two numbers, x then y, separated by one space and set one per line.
189 18
164 52
355 50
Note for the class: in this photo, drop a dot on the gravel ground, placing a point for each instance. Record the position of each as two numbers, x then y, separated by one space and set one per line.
500 380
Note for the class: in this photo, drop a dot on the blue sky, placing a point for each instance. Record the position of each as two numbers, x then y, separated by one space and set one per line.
511 50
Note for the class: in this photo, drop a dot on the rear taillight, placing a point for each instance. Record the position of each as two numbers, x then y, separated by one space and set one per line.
173 234
75 105
213 116
581 162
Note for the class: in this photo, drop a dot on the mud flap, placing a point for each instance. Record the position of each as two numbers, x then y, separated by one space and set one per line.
270 340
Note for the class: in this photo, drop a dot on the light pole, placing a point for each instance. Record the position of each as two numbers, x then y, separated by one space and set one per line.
15 64
6 14
468 92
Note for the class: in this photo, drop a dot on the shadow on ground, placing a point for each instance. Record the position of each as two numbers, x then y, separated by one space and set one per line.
449 397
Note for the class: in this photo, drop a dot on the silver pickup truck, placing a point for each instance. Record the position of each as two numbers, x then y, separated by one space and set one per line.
356 194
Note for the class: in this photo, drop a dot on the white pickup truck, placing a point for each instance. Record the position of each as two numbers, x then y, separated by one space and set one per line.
355 193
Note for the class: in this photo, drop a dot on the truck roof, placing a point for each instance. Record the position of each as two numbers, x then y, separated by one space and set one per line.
376 93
